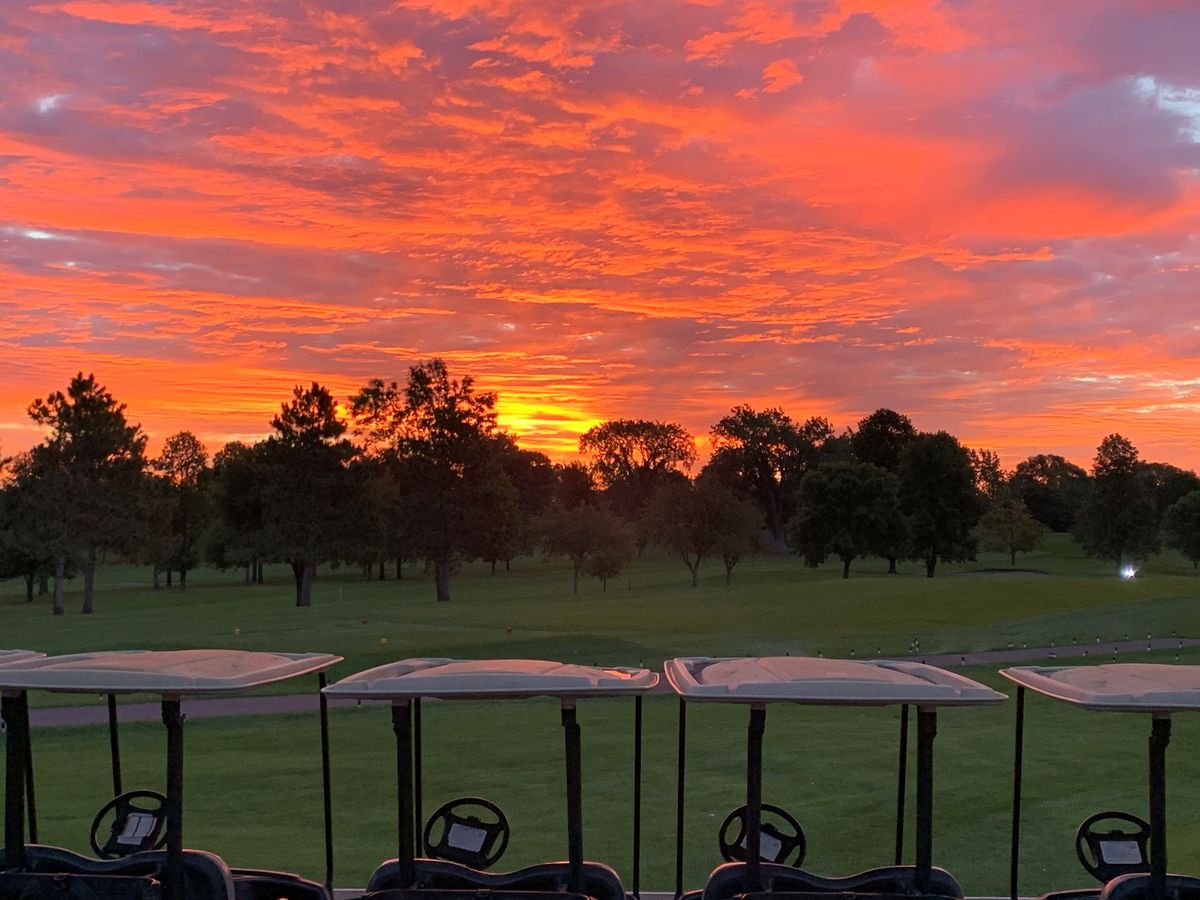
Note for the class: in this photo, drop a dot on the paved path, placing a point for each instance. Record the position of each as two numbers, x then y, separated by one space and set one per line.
97 714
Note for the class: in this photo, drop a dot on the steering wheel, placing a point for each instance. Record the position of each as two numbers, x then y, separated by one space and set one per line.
776 843
465 837
136 826
1107 854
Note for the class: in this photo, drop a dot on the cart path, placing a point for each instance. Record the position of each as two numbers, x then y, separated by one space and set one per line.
207 708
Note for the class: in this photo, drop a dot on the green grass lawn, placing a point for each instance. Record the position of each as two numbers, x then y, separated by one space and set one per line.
253 788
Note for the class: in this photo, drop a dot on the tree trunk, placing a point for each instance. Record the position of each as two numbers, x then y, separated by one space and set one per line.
845 567
89 583
930 563
575 579
729 573
43 584
493 568
307 577
441 579
695 570
183 578
508 564
298 579
60 568
399 569
891 565
170 577
603 584
382 570
247 573
155 577
259 566
1012 559
28 588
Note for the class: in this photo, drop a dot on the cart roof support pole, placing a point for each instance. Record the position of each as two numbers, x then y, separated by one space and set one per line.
14 781
926 732
402 726
679 811
637 797
1018 748
901 784
30 804
114 745
1160 736
172 717
574 760
418 820
326 779
754 772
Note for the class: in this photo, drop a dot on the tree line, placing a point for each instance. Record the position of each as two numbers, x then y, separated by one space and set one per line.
419 471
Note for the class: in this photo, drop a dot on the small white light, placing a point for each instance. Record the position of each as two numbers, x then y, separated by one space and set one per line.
1128 572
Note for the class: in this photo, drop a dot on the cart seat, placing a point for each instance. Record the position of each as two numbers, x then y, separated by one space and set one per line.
732 880
205 874
1136 886
599 881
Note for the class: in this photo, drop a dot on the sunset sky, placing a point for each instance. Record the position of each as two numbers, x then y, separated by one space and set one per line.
983 214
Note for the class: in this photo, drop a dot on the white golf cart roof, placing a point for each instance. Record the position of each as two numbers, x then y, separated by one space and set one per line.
1117 687
13 657
482 679
168 672
818 681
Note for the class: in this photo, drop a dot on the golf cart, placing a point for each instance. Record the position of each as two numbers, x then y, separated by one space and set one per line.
130 862
1128 858
466 836
763 858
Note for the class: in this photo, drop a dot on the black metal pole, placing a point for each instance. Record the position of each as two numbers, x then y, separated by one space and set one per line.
754 773
574 760
637 798
114 744
402 726
418 821
326 778
30 802
680 769
1018 754
1160 736
926 732
172 717
902 784
14 780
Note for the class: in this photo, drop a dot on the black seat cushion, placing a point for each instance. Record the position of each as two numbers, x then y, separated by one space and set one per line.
599 881
1137 887
732 880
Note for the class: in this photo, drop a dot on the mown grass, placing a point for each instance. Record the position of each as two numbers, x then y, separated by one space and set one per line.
253 788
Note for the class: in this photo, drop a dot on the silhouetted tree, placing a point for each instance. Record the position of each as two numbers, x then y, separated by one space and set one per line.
879 439
632 458
848 510
183 467
1053 489
93 461
584 533
764 454
238 538
697 521
939 499
1181 527
1118 522
990 478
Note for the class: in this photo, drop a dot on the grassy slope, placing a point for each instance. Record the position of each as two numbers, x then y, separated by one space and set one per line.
252 782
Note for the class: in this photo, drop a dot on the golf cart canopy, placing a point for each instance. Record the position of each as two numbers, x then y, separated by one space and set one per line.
1116 687
15 657
171 673
817 681
491 679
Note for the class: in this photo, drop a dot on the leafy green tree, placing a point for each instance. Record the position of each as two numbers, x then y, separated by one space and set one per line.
849 510
1181 527
700 520
764 454
585 533
238 537
310 497
939 499
27 535
609 557
1166 484
1118 522
1053 489
574 485
1008 527
92 461
183 467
